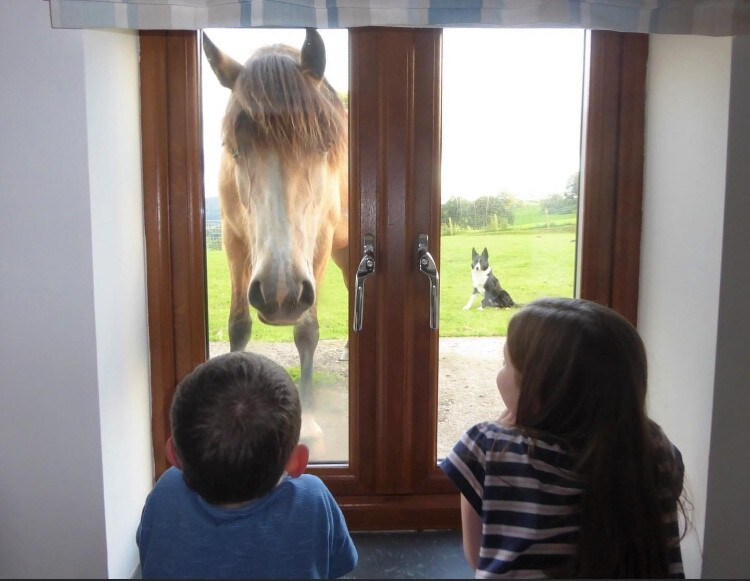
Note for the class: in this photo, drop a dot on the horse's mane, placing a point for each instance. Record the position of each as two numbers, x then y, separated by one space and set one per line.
285 109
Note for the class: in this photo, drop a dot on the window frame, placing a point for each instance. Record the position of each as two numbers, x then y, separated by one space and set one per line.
609 252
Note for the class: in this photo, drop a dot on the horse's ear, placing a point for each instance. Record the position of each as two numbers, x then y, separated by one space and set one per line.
313 54
225 68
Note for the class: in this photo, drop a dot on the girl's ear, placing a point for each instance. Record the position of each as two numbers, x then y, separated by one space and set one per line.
171 456
297 462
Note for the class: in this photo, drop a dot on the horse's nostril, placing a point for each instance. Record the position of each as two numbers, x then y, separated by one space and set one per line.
255 295
307 296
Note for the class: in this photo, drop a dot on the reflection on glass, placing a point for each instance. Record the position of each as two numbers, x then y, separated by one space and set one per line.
510 164
275 151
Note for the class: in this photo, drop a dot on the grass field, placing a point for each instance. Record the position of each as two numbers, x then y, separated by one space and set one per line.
530 263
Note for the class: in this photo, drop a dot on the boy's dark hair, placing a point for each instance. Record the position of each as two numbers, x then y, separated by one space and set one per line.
235 421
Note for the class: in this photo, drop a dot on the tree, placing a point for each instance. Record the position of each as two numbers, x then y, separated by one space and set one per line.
572 187
565 203
487 211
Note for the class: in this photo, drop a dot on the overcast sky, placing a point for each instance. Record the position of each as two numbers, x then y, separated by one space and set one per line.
511 105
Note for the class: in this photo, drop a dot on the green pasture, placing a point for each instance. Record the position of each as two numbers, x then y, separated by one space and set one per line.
530 263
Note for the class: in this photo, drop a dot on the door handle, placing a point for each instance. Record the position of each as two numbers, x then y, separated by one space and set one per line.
366 268
429 269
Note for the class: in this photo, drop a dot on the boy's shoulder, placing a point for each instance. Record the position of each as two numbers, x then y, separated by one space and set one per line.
170 482
304 494
305 485
305 482
172 485
172 477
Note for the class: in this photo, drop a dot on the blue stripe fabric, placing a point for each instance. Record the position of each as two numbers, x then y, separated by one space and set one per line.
132 16
279 12
528 495
74 12
528 502
333 13
246 16
446 12
702 17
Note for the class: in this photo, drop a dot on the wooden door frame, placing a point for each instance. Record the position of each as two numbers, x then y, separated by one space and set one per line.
174 220
612 180
395 180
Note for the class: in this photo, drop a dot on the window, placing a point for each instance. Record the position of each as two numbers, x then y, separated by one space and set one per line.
391 479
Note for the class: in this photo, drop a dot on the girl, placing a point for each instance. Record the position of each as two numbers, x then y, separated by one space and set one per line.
573 480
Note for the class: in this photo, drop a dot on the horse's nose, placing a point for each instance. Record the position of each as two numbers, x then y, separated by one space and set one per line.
306 296
258 299
279 307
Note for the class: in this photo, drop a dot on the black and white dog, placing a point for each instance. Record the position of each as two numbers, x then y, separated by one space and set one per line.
486 284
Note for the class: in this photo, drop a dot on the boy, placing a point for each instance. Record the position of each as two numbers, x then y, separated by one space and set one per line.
236 503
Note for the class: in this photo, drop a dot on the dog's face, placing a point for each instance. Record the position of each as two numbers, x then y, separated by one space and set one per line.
480 269
479 262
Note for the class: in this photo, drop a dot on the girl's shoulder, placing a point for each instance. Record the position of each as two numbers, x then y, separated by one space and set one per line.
660 439
668 460
510 452
501 439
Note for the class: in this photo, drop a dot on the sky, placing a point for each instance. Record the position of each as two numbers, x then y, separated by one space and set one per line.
512 102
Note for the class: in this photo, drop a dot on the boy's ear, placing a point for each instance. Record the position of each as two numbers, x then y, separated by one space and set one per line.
297 462
171 456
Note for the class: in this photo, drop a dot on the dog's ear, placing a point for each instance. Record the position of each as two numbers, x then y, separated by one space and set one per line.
485 253
474 253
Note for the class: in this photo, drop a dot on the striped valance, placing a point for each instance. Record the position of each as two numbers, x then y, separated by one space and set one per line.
701 17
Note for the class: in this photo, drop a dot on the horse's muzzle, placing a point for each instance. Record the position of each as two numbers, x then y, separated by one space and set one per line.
274 309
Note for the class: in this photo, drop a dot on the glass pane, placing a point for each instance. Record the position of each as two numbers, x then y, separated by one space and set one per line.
512 106
280 201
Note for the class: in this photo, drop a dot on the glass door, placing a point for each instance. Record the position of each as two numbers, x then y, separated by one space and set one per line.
510 167
250 241
388 477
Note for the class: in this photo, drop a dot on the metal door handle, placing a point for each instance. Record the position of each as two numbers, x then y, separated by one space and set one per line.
366 268
429 269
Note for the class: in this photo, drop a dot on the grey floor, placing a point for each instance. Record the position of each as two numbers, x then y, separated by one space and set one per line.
406 555
410 555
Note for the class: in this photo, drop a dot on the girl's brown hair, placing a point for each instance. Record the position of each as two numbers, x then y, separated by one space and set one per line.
582 378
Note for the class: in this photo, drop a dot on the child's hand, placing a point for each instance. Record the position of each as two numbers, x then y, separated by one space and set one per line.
507 418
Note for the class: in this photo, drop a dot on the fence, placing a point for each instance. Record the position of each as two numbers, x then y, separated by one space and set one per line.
213 234
468 217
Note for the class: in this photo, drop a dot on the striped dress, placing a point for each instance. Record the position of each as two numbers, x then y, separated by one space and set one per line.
528 497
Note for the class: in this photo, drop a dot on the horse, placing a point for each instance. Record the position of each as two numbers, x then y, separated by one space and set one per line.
283 193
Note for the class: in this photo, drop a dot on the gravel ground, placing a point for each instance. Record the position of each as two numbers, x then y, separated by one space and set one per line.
467 392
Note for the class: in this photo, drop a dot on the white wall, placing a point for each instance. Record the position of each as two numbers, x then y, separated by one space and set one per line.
686 134
695 282
114 140
728 510
74 454
74 444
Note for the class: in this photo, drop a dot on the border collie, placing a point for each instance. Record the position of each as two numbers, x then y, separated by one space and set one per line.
486 284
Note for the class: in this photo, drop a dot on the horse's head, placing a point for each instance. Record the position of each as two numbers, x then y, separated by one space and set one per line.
283 168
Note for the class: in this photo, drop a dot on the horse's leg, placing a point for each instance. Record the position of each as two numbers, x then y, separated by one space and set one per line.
306 335
340 257
240 325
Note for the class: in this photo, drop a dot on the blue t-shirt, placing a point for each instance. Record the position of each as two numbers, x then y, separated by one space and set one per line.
296 531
